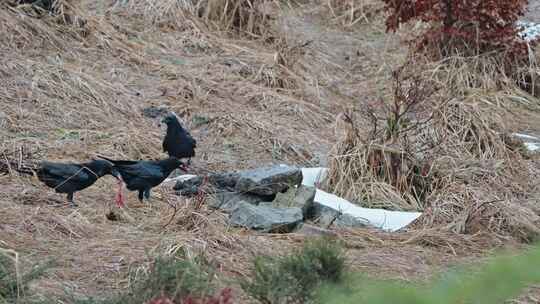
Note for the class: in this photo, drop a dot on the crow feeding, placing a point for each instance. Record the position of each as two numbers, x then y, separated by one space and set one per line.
142 175
70 177
136 175
178 142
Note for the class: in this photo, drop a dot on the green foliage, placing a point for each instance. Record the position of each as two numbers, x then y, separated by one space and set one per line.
171 277
8 280
503 278
12 288
177 279
293 278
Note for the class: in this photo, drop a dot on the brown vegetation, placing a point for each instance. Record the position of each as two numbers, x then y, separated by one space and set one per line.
442 144
256 82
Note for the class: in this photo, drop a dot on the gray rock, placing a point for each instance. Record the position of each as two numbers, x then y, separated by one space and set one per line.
275 220
268 180
328 217
267 204
226 206
224 180
228 201
301 197
347 221
188 187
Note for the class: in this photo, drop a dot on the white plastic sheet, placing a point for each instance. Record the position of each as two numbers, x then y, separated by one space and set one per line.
380 218
532 143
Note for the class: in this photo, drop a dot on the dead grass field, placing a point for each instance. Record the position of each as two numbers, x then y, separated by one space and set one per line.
267 89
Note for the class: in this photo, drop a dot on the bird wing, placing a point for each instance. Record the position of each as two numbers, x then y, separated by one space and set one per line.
178 141
166 143
191 140
125 162
140 175
119 162
65 171
65 177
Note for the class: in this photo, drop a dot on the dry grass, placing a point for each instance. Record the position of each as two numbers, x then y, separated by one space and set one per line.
349 13
71 91
250 18
256 82
443 146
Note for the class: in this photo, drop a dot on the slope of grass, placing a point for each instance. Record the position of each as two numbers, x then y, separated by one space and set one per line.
263 91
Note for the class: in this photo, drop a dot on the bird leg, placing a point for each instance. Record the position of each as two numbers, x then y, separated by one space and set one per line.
141 194
119 198
147 194
70 200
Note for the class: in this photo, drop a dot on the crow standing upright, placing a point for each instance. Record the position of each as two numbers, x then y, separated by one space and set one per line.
142 175
70 178
178 142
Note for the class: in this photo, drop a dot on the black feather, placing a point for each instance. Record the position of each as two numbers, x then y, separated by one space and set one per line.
145 174
71 177
178 142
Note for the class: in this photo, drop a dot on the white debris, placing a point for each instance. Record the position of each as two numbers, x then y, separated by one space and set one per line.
532 143
380 218
526 136
530 30
313 176
532 146
179 178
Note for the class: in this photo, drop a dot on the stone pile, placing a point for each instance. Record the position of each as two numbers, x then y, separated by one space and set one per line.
269 199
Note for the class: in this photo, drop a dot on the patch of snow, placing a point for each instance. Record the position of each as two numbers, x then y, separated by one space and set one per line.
379 218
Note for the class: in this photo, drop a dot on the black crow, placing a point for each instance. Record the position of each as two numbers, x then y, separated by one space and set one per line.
70 177
43 4
178 142
143 175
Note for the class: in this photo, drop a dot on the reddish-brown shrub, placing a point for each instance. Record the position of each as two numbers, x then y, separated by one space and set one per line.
463 26
161 300
223 297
